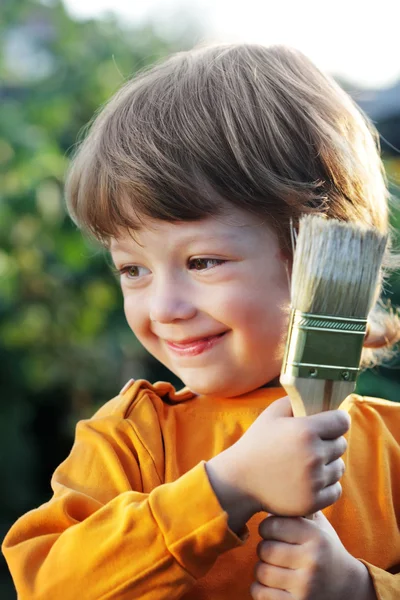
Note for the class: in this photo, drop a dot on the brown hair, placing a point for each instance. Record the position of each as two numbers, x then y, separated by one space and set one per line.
260 127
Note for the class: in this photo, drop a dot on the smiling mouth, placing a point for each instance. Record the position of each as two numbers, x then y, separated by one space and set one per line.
192 347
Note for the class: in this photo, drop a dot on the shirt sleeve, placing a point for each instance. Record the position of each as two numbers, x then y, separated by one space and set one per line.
386 585
101 537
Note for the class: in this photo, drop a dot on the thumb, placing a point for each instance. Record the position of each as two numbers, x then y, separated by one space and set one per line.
322 522
280 408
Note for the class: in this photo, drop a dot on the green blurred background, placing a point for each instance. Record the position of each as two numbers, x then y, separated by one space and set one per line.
65 348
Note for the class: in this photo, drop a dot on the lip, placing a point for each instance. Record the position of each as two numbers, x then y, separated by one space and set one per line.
194 346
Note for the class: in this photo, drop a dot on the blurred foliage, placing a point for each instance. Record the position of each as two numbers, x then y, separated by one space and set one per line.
64 345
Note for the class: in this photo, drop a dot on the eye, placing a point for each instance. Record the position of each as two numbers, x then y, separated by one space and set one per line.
201 264
133 271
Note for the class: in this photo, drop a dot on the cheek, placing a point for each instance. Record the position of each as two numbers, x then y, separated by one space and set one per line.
261 304
136 316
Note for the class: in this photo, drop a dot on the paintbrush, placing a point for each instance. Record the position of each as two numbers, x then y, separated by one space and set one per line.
336 270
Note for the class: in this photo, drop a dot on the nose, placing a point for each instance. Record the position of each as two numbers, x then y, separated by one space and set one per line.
170 302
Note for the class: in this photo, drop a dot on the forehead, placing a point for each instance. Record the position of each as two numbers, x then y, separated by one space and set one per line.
234 224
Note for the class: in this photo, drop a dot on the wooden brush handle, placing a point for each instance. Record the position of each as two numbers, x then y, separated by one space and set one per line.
310 396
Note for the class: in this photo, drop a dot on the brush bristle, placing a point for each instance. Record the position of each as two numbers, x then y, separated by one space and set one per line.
336 267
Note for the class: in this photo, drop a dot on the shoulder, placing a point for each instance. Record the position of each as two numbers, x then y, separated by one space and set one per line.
374 416
126 433
139 394
371 405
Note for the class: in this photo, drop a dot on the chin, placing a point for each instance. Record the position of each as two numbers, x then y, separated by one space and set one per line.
226 380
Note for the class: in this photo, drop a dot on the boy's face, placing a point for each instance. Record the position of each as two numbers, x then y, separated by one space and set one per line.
208 299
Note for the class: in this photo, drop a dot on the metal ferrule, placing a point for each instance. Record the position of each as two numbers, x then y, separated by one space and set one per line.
323 347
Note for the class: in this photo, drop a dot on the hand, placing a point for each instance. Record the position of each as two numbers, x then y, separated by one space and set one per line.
283 465
305 560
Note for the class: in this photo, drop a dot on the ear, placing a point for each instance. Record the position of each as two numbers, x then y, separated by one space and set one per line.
378 337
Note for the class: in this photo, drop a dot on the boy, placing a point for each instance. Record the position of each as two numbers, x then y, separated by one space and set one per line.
191 176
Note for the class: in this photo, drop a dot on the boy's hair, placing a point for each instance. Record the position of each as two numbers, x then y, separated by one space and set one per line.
259 127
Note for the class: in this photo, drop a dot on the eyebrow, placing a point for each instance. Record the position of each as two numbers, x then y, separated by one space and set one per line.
120 246
124 246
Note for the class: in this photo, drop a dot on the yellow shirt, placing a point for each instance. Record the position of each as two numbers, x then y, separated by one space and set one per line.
133 514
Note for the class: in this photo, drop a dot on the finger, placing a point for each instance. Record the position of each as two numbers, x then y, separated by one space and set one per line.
334 449
290 530
334 471
260 592
274 577
280 554
331 424
327 496
280 408
322 523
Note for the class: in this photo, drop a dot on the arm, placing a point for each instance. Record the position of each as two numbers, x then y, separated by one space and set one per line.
99 538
